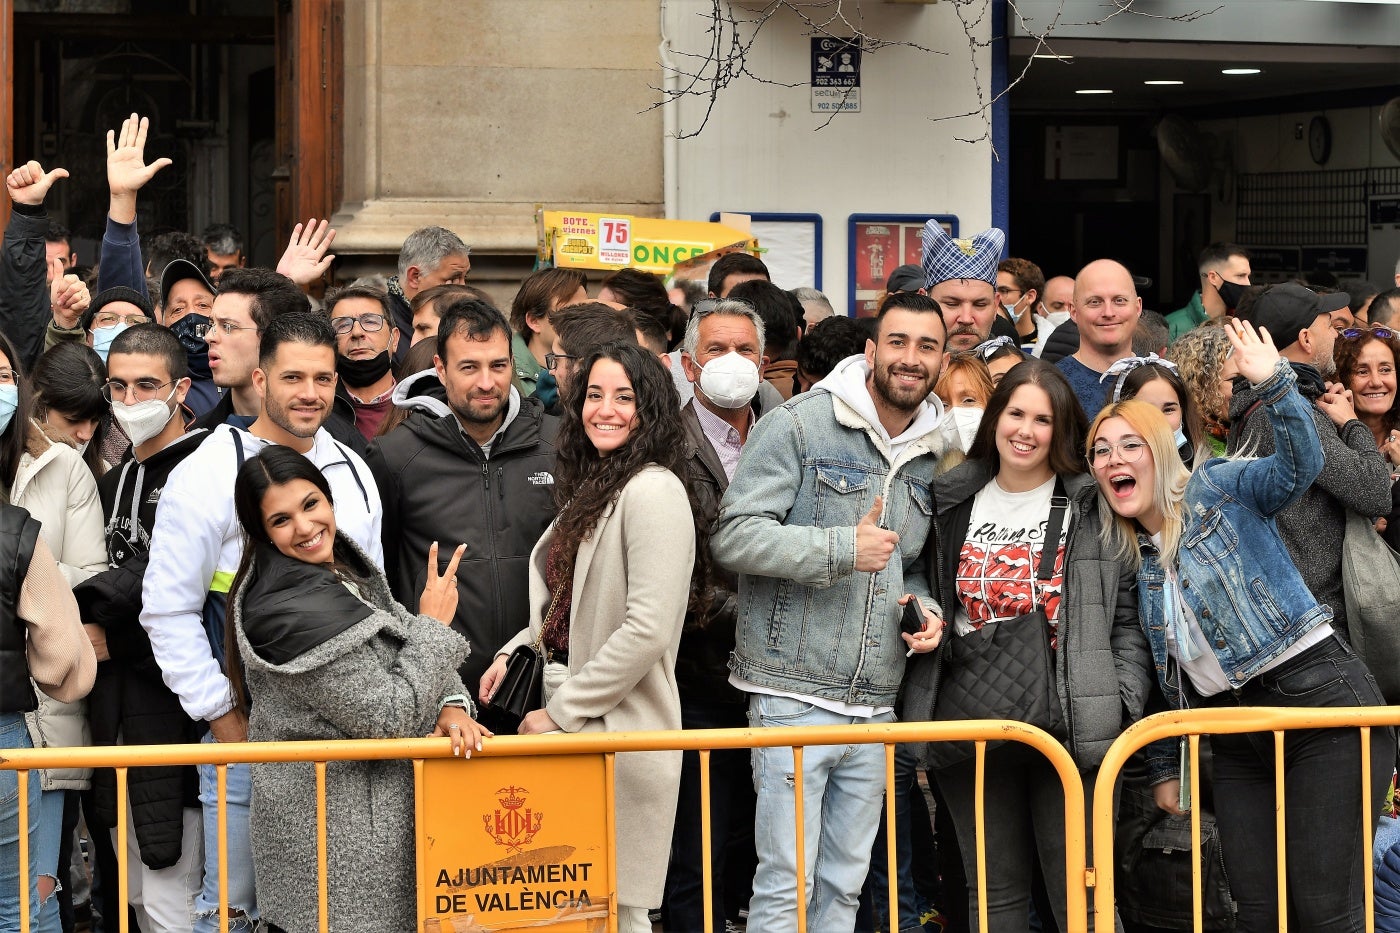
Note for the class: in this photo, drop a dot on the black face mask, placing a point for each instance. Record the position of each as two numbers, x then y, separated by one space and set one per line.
358 373
196 350
1230 293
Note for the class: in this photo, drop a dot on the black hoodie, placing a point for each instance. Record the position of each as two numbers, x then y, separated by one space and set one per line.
436 485
129 696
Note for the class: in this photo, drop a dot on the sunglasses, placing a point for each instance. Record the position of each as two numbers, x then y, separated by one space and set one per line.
1376 330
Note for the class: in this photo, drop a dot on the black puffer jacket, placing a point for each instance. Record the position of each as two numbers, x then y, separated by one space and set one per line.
437 485
129 697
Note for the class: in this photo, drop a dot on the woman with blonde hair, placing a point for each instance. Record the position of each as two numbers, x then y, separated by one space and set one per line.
1231 623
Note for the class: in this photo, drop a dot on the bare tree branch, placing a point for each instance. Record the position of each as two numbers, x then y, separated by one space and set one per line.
734 33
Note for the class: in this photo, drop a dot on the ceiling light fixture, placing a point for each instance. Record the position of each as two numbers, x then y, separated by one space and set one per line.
1094 90
1164 82
1052 57
1241 71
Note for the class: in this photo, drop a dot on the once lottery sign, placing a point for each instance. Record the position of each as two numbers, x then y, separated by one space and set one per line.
510 843
583 240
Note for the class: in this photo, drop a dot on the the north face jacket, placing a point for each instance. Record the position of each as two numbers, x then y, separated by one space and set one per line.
437 485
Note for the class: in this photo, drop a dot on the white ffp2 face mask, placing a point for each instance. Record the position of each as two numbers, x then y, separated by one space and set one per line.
730 381
144 420
968 420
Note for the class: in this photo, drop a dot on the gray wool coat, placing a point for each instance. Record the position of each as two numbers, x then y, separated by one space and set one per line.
631 586
383 677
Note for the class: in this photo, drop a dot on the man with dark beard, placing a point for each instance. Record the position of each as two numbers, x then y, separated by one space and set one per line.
961 278
473 464
808 524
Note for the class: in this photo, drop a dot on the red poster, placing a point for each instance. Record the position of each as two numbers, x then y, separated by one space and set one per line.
877 247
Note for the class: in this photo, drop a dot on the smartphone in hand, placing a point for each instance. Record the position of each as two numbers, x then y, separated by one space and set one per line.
911 622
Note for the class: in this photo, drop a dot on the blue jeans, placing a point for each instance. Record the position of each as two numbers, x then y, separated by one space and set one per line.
241 888
15 734
877 890
843 789
49 842
1322 805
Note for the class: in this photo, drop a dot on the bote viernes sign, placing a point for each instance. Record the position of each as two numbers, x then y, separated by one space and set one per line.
513 844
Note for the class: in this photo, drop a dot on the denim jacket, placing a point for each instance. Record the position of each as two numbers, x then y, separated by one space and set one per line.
809 623
1236 574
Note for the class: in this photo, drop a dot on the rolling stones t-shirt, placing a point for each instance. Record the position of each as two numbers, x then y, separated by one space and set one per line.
999 559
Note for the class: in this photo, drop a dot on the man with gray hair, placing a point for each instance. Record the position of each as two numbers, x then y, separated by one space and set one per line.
430 256
815 306
721 355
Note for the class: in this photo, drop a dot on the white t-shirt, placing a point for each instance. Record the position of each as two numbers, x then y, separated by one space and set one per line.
1001 554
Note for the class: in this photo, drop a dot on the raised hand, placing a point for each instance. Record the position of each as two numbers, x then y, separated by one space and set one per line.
306 260
439 598
127 171
874 545
68 297
29 183
1254 352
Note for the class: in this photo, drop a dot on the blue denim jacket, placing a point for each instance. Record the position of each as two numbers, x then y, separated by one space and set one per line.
808 622
1236 574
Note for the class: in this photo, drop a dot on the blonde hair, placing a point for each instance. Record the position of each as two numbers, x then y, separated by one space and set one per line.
1169 477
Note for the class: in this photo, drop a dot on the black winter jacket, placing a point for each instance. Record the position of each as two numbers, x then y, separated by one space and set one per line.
24 298
437 486
129 698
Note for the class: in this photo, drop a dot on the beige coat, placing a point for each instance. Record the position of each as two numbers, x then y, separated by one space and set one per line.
631 584
56 487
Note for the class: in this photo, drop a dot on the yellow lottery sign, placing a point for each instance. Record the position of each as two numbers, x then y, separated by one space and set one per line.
515 843
583 240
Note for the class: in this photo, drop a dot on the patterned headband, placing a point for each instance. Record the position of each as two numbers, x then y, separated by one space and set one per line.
987 348
1123 367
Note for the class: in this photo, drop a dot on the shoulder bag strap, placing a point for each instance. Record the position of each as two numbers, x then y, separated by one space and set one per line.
1050 546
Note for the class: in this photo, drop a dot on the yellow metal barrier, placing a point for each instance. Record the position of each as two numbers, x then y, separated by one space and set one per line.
539 748
1198 722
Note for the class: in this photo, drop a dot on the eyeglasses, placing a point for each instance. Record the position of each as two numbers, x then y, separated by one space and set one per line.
1004 290
228 327
551 360
369 323
112 319
8 377
143 389
1377 330
1130 451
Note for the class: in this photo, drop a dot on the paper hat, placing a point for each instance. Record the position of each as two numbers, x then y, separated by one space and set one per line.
946 258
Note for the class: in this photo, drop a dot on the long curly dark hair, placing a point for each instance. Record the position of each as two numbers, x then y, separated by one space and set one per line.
587 483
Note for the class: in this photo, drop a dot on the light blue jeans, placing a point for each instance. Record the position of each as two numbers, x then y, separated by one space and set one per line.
241 887
48 842
843 791
15 734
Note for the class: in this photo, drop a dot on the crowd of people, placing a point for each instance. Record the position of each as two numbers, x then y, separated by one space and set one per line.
233 512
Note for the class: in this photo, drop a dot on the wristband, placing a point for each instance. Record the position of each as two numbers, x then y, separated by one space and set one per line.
456 699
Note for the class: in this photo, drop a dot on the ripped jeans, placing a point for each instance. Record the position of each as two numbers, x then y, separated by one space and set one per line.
843 793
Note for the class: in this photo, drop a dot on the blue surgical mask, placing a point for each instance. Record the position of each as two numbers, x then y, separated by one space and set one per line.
1180 436
102 339
9 401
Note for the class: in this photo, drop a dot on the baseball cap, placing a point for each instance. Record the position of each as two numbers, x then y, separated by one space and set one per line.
907 278
177 271
1287 310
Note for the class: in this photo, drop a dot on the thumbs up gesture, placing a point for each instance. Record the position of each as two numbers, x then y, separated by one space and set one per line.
29 183
874 544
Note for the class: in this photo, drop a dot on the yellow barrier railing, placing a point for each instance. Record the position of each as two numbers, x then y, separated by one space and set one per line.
123 758
1197 722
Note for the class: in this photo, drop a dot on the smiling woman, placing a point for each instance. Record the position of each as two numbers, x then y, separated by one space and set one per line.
1006 520
1366 362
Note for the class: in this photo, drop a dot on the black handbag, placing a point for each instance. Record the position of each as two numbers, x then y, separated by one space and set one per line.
521 689
1005 669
